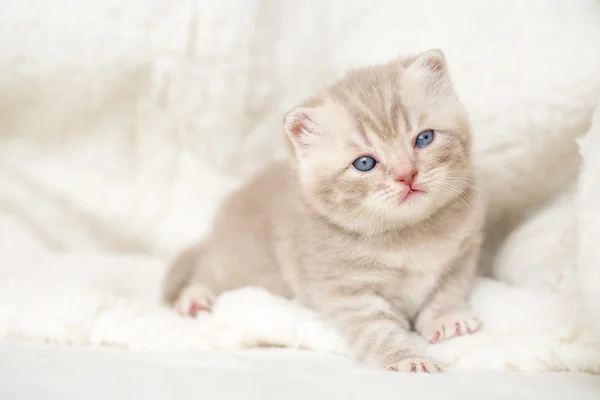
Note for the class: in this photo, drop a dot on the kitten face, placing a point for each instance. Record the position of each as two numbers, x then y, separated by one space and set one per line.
385 146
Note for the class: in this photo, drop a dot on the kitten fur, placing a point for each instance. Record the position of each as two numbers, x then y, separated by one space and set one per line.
347 243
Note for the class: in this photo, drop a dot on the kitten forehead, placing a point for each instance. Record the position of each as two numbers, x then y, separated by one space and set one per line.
372 97
342 121
390 100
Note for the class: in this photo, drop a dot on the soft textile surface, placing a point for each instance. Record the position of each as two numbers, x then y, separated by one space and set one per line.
32 372
87 299
556 247
123 123
587 205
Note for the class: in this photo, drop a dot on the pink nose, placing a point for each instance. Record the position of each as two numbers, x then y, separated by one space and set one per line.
407 176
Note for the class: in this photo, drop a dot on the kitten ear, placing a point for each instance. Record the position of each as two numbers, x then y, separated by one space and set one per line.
431 70
300 126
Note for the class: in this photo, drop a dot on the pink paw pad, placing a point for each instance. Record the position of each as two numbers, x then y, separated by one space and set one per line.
194 300
415 365
451 326
195 308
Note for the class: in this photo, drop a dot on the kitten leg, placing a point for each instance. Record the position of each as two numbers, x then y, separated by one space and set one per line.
376 333
186 284
447 313
180 272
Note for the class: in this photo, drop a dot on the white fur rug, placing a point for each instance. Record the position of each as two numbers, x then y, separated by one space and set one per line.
123 123
103 300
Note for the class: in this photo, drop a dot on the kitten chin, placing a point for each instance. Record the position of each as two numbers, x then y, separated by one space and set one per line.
374 222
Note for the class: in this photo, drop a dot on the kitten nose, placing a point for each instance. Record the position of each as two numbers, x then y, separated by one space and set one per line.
407 176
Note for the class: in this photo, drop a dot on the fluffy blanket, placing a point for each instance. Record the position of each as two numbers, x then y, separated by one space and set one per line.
123 123
104 300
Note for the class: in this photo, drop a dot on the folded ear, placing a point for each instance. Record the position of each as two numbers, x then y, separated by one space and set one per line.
430 69
301 127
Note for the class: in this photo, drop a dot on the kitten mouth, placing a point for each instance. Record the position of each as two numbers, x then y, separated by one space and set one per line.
411 194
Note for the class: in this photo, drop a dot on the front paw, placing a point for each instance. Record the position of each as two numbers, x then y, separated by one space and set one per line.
194 299
449 326
415 364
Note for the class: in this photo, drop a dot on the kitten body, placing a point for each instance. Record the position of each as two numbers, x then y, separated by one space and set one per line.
376 252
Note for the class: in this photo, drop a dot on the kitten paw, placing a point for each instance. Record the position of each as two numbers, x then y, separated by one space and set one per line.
416 364
450 326
194 299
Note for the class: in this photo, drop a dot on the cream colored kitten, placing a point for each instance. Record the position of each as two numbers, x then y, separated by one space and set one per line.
375 222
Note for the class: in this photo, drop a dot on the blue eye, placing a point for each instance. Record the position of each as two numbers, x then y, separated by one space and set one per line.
424 139
364 163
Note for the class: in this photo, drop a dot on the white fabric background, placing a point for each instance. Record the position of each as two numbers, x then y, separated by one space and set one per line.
123 123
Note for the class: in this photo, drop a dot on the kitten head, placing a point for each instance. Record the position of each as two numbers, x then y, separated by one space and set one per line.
384 146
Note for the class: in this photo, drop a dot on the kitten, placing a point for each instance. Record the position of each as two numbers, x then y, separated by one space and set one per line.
375 222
